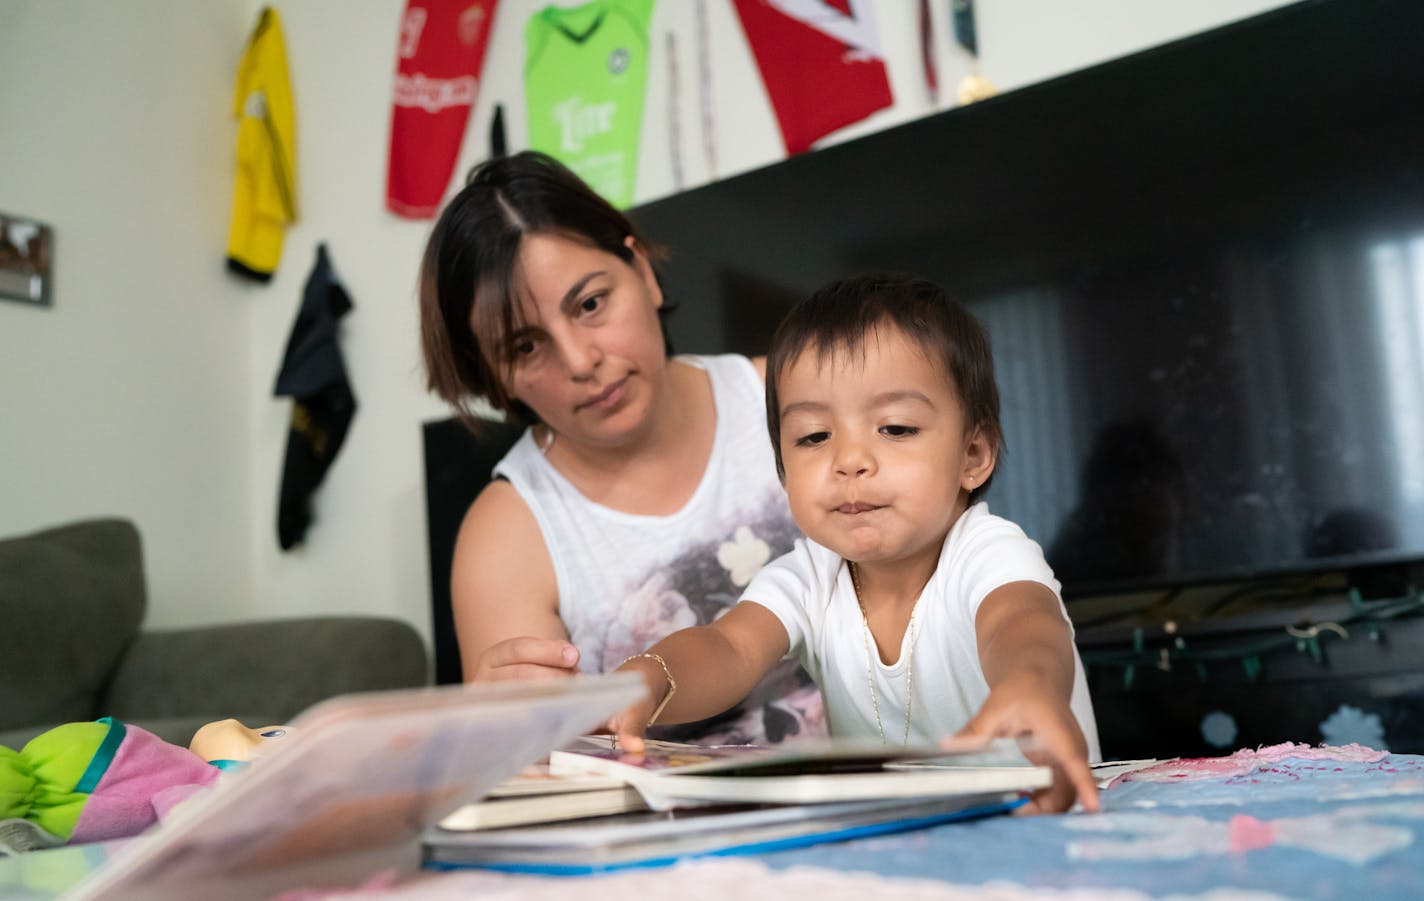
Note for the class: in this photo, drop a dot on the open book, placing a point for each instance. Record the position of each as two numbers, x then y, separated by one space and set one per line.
670 775
356 777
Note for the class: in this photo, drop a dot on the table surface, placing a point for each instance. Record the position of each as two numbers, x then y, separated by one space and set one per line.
1282 822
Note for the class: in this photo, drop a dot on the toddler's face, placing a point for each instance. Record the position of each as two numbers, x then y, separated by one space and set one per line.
878 465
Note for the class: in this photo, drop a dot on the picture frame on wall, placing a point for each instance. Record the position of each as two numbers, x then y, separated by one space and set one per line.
26 259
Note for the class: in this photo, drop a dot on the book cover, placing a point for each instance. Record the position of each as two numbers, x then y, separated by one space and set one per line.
356 775
523 809
539 779
661 838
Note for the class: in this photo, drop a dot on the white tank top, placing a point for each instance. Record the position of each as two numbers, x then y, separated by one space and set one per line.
626 580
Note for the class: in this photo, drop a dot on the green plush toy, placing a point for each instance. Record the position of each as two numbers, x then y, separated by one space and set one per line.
84 782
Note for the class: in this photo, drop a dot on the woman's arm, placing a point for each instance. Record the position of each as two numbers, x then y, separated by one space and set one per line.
714 667
1026 652
504 594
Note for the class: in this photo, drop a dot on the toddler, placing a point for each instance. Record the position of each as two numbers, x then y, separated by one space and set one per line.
919 613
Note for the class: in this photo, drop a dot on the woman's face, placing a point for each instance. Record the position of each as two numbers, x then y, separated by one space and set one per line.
586 353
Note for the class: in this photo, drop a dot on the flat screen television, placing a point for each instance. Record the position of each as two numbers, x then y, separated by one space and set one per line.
1202 270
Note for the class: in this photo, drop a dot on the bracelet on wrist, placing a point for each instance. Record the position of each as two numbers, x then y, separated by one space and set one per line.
672 683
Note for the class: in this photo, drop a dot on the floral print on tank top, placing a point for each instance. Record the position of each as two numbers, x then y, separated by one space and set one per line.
697 586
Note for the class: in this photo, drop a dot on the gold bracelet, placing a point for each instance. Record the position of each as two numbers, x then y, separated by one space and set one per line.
672 683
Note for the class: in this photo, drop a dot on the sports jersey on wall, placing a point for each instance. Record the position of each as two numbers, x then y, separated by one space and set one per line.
585 72
264 193
821 62
441 51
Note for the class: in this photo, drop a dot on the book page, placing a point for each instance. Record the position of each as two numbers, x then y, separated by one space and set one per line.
600 755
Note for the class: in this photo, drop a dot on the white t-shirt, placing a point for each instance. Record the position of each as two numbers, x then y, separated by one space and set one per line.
810 591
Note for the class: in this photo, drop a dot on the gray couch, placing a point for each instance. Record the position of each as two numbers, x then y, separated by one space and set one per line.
72 602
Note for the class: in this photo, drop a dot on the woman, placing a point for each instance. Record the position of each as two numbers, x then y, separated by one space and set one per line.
643 496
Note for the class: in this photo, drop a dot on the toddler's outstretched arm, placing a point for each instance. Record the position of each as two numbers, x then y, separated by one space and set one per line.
700 672
1026 651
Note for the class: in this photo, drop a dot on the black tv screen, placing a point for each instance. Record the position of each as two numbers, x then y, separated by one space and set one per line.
1202 269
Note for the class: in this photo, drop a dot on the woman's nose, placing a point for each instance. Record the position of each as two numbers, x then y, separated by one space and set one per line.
580 355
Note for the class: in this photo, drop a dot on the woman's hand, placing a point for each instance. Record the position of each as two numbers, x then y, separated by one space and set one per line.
526 658
1023 707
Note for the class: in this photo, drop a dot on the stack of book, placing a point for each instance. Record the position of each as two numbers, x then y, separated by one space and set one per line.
591 807
370 782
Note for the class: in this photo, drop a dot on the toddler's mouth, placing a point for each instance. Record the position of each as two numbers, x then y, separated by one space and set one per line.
856 507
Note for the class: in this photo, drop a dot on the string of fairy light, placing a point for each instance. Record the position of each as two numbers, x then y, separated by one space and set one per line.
1366 616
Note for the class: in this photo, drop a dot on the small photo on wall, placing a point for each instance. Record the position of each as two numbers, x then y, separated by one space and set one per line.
26 255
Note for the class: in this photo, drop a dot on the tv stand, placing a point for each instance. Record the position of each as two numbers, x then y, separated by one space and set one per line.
1337 668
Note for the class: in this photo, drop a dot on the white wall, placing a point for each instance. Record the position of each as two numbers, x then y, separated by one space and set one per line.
181 336
126 397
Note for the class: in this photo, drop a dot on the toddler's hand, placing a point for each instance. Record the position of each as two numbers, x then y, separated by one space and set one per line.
629 726
1021 707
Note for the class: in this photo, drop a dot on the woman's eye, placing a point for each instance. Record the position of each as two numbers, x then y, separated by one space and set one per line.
899 431
812 439
524 347
591 304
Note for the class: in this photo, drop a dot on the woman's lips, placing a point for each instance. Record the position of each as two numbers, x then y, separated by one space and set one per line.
608 397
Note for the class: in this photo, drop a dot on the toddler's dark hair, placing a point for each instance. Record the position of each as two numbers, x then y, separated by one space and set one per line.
838 318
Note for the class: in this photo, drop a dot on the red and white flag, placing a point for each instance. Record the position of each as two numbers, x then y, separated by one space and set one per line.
441 52
821 62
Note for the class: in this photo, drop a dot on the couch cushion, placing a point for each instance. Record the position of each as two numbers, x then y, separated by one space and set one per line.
282 666
71 600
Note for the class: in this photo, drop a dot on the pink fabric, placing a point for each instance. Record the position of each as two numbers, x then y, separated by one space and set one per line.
1246 761
144 765
166 799
1246 833
1352 753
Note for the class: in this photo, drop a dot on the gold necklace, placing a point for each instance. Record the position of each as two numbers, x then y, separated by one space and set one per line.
869 670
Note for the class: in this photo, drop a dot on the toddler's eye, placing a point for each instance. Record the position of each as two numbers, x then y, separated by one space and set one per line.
812 439
899 431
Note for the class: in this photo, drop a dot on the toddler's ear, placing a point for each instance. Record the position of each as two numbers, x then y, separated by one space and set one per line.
980 457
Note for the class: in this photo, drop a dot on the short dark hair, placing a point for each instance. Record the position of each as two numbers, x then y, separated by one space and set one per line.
467 276
839 316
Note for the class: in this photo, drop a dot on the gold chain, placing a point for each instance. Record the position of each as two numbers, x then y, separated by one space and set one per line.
869 671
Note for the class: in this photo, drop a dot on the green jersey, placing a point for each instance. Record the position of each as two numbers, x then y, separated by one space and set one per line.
585 71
